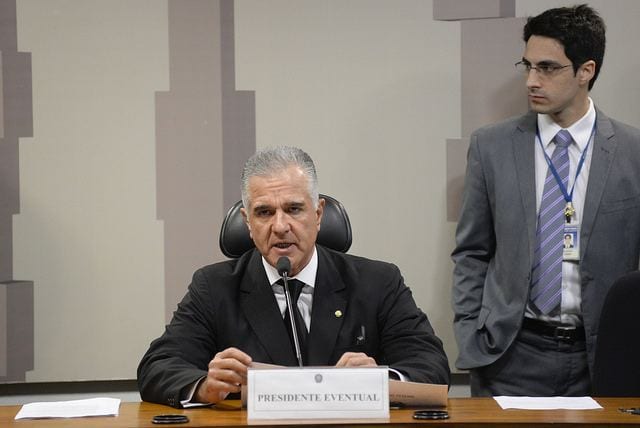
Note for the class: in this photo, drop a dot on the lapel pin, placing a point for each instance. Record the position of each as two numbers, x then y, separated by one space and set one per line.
338 313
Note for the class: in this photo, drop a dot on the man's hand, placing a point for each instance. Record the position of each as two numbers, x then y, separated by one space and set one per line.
356 359
227 372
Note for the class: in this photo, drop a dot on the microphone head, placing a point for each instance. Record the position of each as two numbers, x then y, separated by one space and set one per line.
283 266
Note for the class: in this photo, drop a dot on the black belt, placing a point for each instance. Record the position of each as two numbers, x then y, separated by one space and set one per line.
562 333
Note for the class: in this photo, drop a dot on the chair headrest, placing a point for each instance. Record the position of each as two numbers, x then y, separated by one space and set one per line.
335 229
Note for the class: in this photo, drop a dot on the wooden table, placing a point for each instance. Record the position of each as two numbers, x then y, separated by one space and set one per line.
463 412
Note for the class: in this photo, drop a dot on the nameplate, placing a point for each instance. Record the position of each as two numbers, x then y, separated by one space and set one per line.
318 393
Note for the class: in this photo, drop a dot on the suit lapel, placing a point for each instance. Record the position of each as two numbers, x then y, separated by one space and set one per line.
329 297
261 310
524 153
604 146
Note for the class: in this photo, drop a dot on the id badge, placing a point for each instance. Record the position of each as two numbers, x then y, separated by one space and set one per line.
571 242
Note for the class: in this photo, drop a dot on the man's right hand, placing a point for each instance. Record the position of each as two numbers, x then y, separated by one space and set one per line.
227 373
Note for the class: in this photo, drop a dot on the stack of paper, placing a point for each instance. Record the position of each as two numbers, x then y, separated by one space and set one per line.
70 409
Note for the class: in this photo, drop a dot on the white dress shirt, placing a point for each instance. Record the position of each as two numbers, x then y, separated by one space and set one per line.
307 276
581 132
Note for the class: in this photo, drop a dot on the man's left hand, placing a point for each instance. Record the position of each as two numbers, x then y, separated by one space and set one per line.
356 359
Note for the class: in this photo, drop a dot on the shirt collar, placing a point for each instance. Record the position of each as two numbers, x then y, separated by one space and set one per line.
306 275
580 131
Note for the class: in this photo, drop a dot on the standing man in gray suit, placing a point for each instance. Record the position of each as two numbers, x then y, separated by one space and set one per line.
527 309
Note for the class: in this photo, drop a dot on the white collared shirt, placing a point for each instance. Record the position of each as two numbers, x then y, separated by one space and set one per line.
307 275
581 134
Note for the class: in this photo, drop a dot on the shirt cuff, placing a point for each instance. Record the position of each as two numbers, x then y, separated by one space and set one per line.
187 402
397 374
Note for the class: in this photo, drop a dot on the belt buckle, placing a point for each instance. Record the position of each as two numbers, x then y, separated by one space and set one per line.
564 333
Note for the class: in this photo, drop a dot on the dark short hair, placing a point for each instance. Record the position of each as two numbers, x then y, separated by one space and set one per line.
580 29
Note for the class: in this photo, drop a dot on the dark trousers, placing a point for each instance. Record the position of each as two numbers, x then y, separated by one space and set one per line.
536 366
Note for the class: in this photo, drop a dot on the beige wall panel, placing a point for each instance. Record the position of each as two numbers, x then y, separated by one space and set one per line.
87 232
456 166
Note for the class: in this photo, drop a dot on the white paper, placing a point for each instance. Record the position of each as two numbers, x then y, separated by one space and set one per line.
547 403
70 409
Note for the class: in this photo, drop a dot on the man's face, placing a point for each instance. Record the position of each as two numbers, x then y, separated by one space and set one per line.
281 218
563 93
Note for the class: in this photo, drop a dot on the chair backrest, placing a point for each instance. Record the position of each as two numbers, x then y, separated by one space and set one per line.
617 357
335 229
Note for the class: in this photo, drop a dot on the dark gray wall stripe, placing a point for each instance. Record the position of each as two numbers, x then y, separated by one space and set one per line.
18 330
491 90
205 131
238 112
16 320
457 10
189 145
17 121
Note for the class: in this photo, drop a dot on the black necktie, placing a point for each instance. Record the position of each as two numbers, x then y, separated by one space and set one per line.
295 288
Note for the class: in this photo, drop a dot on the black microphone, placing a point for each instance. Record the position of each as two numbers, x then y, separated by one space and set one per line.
283 265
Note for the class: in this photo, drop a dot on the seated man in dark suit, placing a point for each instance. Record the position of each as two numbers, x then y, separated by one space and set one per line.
357 312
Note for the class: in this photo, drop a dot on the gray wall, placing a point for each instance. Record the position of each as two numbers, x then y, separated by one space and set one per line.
124 123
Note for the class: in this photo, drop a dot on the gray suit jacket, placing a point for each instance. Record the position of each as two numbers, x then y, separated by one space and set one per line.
495 237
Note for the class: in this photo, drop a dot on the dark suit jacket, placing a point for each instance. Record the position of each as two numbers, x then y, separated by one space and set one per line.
232 304
495 238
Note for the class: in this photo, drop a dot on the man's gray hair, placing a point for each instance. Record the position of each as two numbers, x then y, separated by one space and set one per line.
270 161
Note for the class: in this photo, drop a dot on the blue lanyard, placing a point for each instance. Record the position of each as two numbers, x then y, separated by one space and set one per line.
568 197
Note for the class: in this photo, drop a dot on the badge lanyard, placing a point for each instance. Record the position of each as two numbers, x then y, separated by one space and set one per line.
568 196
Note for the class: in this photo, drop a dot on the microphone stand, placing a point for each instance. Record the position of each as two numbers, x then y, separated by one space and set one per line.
294 327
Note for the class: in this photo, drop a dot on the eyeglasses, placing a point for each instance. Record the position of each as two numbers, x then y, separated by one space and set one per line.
543 69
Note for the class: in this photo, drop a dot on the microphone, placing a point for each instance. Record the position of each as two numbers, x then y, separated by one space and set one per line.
283 265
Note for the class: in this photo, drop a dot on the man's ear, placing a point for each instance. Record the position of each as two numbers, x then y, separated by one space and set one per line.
587 71
320 211
245 216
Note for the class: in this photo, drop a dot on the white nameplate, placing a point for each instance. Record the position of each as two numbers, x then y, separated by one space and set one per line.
318 393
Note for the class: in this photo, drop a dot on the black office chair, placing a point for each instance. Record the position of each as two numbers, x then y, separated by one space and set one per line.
617 357
335 229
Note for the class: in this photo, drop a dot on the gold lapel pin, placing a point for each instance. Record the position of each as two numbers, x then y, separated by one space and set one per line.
338 313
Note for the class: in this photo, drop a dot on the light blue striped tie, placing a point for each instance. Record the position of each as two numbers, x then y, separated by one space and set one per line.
546 275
